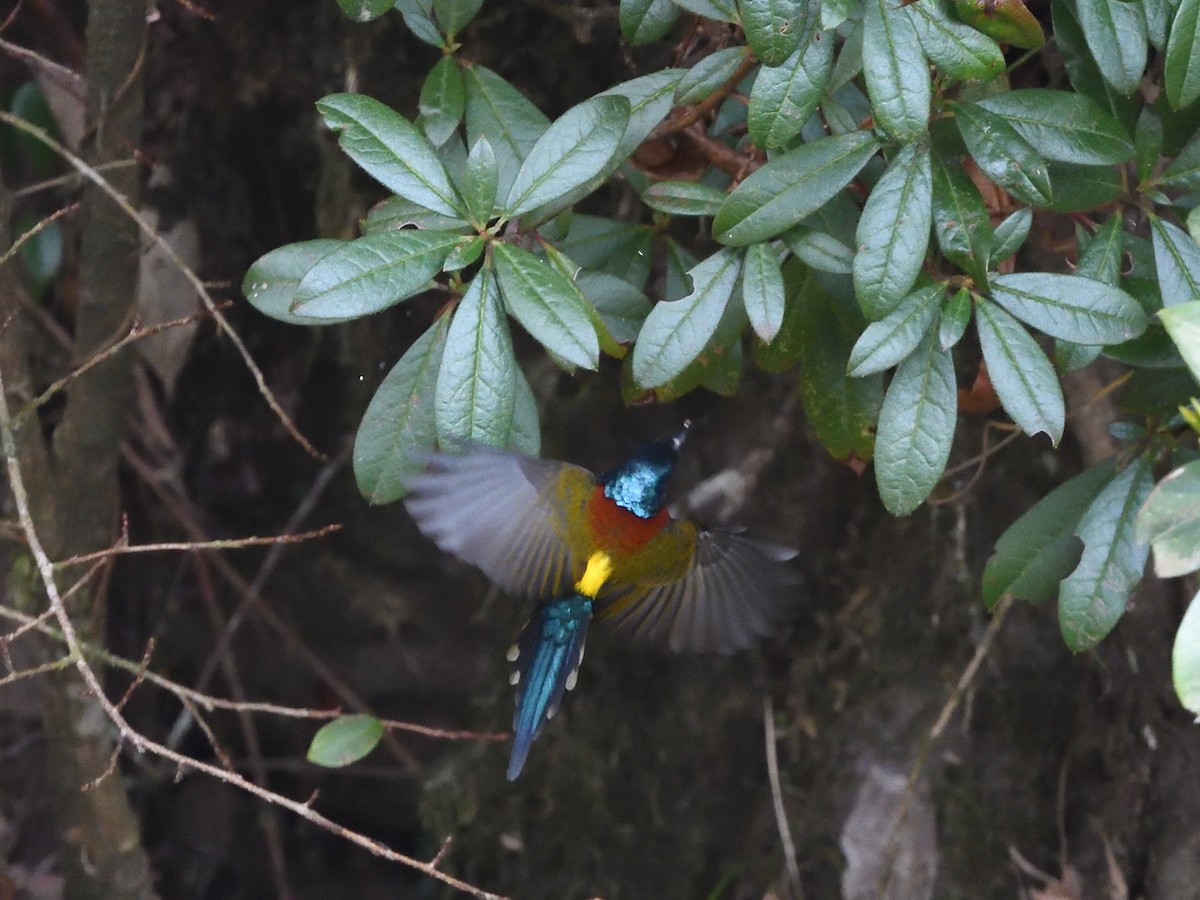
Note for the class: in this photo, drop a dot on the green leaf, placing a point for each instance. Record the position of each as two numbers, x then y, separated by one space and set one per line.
573 151
1069 307
956 49
1093 597
676 332
835 12
1116 34
607 245
498 111
1021 374
1185 658
1181 74
372 273
270 283
1177 259
481 178
418 16
1183 325
466 253
547 304
391 150
1065 126
916 428
895 336
1008 21
1082 70
1184 170
956 314
650 99
772 27
453 15
1100 260
1011 234
345 740
897 77
364 10
645 21
790 187
960 220
784 97
684 198
621 306
893 232
475 397
840 410
398 428
1193 224
720 10
1040 549
820 250
396 213
1083 188
1170 522
443 100
1003 155
762 290
1158 18
1148 142
526 434
708 76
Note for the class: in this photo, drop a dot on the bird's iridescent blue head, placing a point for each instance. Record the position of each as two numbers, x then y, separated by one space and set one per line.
639 485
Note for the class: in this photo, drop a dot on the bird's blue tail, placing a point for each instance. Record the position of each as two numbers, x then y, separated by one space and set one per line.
547 655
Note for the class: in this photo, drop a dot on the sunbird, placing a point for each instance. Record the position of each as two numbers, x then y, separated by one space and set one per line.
596 546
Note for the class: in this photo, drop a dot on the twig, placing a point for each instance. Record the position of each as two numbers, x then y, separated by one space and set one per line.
781 822
96 178
192 546
32 232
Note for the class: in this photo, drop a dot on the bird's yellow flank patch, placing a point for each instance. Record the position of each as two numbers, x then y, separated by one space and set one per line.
599 567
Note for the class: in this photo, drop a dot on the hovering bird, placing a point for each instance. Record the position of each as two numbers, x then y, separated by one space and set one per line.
602 547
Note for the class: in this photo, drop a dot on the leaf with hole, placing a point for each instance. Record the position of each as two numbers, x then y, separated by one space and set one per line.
772 28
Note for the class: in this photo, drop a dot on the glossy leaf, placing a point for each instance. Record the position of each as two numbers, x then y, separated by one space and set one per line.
790 187
1183 325
607 245
650 99
480 180
1116 35
708 76
573 151
896 335
498 111
1184 170
895 70
1020 373
1011 234
822 251
365 10
454 15
956 315
372 273
475 396
684 198
762 290
398 428
345 740
645 21
916 428
960 220
418 16
1008 21
1177 259
772 28
1004 156
1082 188
1040 549
676 332
1158 20
784 97
1101 259
720 10
958 50
547 305
1093 597
526 434
466 253
1185 658
1170 522
1063 125
893 232
270 283
396 213
1069 307
443 100
390 149
820 330
621 306
1181 74
1148 142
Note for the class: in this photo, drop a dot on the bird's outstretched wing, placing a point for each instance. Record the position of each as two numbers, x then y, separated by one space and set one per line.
506 513
547 654
733 591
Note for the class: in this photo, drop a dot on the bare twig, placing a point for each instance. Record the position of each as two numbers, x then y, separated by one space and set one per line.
96 178
32 232
193 546
781 822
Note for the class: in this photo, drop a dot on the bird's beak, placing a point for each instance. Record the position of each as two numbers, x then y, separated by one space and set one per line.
678 439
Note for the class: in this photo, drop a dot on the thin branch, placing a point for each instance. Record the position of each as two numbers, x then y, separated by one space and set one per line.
96 178
192 546
32 232
781 822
